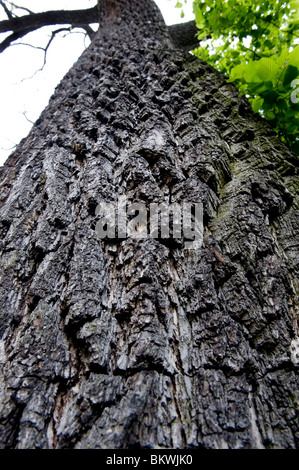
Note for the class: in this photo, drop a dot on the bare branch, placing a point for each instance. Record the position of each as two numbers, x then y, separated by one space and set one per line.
11 38
20 26
21 8
7 11
27 45
27 118
35 21
57 31
89 31
45 49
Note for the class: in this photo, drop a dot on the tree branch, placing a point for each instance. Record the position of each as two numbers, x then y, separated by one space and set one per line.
13 37
184 35
9 14
89 31
21 8
35 21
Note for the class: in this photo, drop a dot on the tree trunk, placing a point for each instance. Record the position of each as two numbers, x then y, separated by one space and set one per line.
121 343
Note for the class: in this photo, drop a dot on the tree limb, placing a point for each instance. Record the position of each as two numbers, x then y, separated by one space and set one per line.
89 31
184 35
20 26
21 8
38 20
9 14
13 37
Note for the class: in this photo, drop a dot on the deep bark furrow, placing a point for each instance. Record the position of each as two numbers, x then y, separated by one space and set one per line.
141 342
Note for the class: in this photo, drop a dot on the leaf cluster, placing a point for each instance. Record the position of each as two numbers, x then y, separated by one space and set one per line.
253 42
272 84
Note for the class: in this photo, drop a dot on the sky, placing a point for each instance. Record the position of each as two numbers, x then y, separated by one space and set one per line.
24 88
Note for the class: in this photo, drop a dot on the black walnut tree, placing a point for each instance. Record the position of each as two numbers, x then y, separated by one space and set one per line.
141 343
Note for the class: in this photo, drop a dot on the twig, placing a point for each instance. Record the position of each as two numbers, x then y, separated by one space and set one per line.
9 14
54 33
22 8
27 119
28 45
9 148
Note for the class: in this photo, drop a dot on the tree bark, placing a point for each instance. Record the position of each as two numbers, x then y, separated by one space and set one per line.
140 343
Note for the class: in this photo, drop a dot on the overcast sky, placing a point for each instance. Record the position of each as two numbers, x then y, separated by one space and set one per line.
25 91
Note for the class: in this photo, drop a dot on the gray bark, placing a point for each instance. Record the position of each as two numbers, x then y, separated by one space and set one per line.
127 343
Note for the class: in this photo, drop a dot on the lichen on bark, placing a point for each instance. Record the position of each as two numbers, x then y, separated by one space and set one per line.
127 343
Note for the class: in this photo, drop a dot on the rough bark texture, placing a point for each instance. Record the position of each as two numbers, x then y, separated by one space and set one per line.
127 343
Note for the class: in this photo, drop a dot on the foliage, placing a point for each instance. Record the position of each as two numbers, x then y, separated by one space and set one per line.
253 42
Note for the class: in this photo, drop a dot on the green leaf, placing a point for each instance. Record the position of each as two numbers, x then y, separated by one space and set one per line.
281 105
270 98
267 69
263 89
257 104
237 72
270 116
293 58
282 58
199 19
289 75
250 73
268 44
